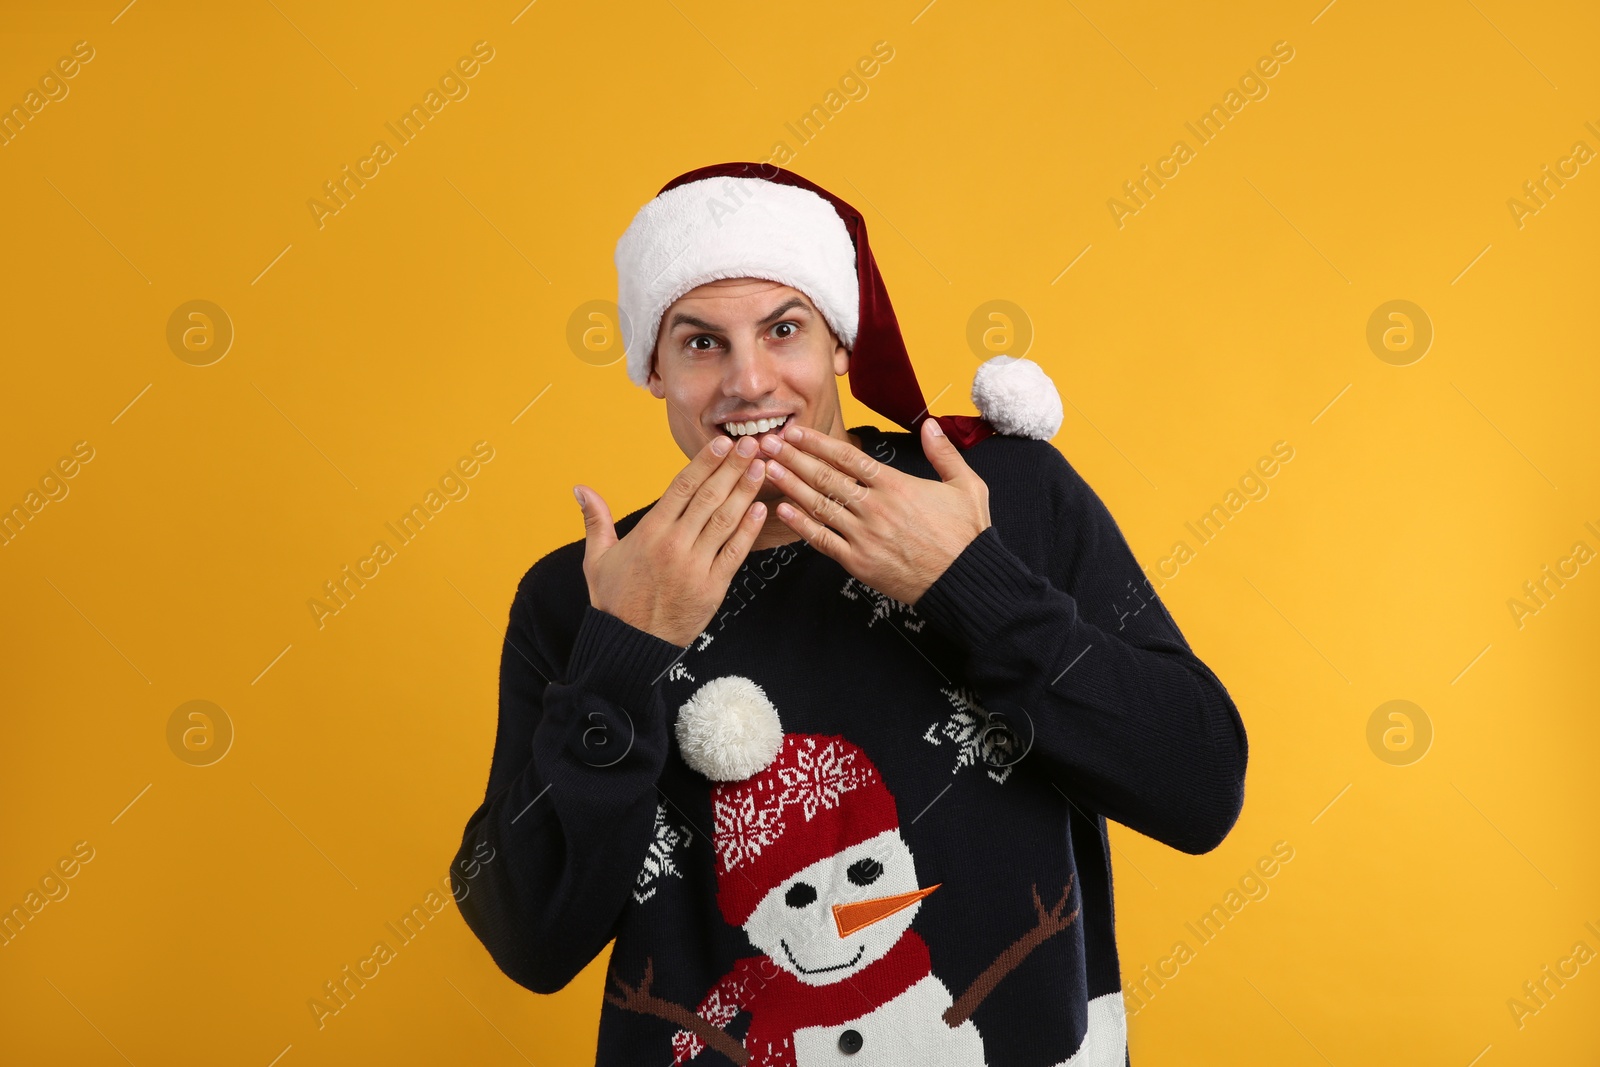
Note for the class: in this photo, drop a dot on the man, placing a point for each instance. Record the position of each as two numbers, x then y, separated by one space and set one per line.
826 738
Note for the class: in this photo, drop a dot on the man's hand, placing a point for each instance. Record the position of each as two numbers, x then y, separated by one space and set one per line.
671 572
895 532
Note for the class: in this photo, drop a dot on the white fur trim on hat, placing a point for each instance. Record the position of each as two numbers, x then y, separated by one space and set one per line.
732 228
1017 398
729 730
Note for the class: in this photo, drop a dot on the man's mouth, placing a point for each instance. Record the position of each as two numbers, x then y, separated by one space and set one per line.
745 427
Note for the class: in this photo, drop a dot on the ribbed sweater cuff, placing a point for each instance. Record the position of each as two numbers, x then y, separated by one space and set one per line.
979 593
617 661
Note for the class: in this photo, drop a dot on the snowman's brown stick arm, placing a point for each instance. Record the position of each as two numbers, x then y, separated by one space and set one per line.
1051 922
639 998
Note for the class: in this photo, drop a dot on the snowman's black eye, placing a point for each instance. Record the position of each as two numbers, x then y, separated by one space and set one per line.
799 895
864 872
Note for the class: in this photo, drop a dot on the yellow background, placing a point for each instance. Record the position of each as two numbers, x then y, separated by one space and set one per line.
371 353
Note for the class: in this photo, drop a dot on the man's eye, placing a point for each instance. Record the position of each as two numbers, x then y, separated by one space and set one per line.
694 343
784 330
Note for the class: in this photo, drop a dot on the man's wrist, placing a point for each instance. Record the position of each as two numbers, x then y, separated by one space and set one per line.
949 562
976 595
654 628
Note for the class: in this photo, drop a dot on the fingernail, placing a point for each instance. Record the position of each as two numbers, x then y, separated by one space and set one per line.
771 445
747 446
793 433
775 469
579 496
938 431
756 468
720 445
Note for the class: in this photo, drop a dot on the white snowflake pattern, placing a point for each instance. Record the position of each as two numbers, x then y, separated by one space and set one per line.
813 777
884 606
685 1046
979 740
658 860
678 672
719 1008
819 776
747 827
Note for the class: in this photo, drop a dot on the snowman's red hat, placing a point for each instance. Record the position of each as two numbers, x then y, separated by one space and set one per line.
755 220
801 799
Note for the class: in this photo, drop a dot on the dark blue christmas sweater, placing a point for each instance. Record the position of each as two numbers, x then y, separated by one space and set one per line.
921 875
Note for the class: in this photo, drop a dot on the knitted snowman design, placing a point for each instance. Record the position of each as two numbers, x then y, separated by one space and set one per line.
811 864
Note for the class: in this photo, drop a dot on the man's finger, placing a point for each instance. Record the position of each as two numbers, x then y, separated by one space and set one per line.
820 474
715 489
737 546
599 533
832 509
682 489
841 455
817 535
723 523
942 452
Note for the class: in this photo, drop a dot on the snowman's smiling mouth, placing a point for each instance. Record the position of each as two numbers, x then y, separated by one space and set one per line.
820 970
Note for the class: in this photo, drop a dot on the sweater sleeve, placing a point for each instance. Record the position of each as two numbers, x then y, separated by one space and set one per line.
548 860
1124 717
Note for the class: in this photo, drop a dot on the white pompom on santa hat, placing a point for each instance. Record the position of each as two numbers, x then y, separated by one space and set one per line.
755 220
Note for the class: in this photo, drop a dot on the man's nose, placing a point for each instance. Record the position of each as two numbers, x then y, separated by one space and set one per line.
752 372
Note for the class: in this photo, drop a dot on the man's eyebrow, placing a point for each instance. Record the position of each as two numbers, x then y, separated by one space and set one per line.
787 305
681 319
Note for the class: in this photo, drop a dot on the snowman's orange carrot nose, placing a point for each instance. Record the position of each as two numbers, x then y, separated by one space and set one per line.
853 916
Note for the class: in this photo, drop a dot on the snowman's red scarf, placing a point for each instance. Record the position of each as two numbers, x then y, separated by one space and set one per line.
785 1004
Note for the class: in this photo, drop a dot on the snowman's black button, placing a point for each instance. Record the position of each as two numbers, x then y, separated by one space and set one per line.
850 1042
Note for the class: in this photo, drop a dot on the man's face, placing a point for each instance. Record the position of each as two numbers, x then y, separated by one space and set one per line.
741 350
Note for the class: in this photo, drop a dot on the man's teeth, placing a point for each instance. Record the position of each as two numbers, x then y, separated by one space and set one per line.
740 429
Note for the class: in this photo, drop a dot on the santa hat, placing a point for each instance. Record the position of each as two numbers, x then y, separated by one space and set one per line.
783 801
755 220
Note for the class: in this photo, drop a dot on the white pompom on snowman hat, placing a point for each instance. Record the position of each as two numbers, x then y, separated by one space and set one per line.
756 220
729 730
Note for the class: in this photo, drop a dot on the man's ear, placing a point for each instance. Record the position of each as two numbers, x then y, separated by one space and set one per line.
658 388
841 359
